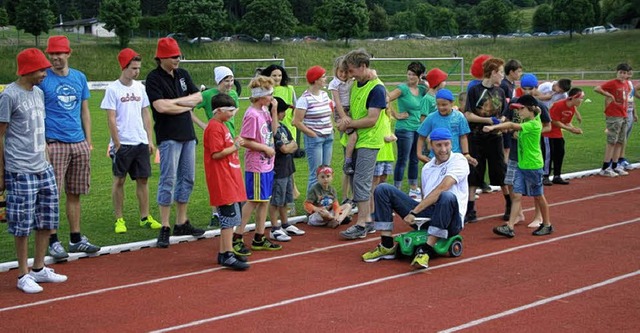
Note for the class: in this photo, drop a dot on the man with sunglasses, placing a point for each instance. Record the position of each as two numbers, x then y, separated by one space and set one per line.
172 96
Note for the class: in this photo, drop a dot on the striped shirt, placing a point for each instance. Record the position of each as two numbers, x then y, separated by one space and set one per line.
318 112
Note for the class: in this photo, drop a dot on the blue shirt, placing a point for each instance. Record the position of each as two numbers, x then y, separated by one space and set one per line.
455 122
63 97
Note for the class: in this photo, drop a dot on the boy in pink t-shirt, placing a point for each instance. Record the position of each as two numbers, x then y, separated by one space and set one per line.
259 122
616 93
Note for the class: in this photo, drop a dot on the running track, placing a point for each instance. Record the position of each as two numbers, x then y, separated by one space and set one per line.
584 278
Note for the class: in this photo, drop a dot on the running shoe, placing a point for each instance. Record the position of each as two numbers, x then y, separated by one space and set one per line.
120 226
380 252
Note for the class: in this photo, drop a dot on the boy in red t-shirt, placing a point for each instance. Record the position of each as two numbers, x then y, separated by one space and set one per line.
562 113
616 93
224 177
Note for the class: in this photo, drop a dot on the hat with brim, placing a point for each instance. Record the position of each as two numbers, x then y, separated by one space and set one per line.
31 60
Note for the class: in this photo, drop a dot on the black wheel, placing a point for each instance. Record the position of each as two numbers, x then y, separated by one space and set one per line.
455 250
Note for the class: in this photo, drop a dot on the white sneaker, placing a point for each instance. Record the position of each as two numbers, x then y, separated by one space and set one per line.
534 224
607 173
47 275
620 171
416 194
27 284
292 230
279 235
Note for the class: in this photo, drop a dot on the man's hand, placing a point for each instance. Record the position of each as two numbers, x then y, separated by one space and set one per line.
152 148
410 219
487 129
575 130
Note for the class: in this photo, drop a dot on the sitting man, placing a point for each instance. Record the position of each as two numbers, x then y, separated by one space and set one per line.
445 189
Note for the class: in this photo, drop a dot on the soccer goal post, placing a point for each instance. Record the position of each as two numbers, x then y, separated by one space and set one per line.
393 70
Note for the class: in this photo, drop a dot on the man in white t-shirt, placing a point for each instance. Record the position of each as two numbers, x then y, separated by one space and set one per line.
444 183
550 92
131 146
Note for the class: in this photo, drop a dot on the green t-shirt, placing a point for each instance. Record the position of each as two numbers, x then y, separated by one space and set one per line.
288 95
529 152
371 137
410 103
428 105
386 152
206 105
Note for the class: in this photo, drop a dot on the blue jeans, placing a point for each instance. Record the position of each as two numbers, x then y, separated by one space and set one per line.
177 171
319 150
407 144
444 214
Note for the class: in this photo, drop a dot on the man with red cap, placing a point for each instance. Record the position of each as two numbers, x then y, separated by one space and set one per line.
26 175
68 135
129 119
173 96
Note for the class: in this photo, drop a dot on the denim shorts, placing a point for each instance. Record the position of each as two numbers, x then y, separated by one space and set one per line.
528 182
229 215
282 192
32 202
383 168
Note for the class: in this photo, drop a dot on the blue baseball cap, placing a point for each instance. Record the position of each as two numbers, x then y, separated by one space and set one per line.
445 94
529 80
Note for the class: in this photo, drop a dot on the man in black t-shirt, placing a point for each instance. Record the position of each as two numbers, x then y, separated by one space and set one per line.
173 95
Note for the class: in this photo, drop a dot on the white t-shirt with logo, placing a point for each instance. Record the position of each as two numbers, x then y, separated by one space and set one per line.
127 101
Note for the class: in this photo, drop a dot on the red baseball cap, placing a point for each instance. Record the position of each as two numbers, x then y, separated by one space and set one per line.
125 56
167 48
58 44
31 60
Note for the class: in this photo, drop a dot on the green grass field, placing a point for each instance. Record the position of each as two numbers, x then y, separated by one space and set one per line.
97 58
583 152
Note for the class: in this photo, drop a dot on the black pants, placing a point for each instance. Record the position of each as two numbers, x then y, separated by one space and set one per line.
553 152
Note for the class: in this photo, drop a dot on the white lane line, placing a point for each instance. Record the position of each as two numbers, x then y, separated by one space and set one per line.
540 302
387 278
209 270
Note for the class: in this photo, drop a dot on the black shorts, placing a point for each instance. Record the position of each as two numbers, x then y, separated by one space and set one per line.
488 151
134 160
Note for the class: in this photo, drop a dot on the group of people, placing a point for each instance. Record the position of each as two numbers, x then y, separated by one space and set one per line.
457 144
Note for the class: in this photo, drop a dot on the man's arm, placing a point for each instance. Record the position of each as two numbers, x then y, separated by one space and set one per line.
368 121
503 126
113 128
474 118
177 105
86 121
146 121
3 130
434 195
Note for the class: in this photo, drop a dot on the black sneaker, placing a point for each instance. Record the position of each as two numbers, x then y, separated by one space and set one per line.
546 181
559 180
470 217
163 237
187 229
239 249
486 188
348 169
228 259
504 230
543 230
221 258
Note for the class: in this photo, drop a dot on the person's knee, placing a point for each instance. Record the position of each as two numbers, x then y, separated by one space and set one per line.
447 197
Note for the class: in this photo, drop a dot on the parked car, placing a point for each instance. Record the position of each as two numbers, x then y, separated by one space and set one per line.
557 33
599 29
445 38
401 36
482 36
313 39
225 39
417 36
243 38
540 34
202 40
465 36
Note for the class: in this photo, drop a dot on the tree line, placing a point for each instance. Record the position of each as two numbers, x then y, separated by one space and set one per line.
330 18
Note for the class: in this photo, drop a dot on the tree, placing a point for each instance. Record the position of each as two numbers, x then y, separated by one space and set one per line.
573 15
342 18
255 21
153 7
620 11
403 21
123 16
494 16
378 19
196 18
444 22
543 18
34 17
303 10
4 17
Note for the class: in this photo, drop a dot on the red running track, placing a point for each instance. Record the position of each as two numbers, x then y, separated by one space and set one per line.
584 277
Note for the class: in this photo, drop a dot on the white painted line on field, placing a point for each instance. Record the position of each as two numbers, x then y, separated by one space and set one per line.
540 302
387 278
